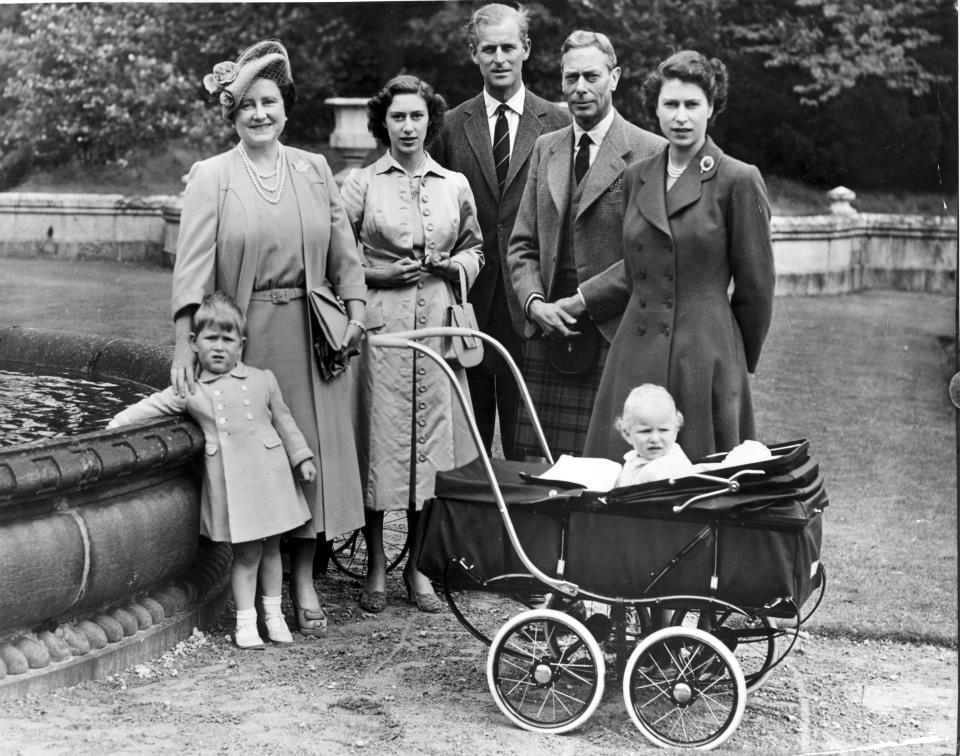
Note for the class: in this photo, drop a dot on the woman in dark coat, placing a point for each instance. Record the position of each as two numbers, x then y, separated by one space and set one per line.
695 222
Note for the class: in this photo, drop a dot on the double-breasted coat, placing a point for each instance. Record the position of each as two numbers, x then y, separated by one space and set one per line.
597 237
409 423
681 328
251 442
229 240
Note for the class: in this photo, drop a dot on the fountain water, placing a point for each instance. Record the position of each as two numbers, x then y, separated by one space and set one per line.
100 562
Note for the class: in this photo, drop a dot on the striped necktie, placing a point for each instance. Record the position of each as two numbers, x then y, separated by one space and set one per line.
501 146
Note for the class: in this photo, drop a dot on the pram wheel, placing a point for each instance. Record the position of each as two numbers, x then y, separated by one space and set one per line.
545 671
683 688
753 640
349 551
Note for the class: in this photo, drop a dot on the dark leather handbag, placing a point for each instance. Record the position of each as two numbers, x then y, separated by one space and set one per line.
328 327
462 351
578 354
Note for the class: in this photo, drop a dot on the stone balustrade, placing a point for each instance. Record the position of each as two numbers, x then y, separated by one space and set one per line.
843 252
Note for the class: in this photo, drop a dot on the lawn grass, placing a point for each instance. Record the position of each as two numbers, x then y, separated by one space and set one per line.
863 376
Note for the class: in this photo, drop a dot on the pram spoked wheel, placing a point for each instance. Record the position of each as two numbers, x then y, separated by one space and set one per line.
349 551
684 688
545 671
753 640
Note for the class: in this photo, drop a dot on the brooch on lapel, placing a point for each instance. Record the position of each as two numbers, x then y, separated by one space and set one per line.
300 166
706 163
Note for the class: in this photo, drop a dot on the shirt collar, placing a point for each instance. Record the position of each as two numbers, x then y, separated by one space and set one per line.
515 103
598 132
387 163
239 371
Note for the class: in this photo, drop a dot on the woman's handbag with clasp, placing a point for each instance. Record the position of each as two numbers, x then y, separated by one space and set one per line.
462 351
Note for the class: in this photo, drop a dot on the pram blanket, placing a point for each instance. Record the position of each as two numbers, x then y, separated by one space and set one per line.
750 547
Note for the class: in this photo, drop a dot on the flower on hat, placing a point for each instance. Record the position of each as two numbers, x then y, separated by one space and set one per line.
226 99
224 73
706 163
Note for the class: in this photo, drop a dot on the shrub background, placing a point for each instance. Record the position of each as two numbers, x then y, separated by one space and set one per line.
825 92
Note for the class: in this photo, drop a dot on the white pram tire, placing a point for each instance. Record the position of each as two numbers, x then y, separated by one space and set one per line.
684 688
545 671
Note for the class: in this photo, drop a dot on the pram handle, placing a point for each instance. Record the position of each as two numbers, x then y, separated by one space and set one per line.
395 338
730 485
406 340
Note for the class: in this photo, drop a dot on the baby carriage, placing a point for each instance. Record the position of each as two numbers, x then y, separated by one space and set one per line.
691 590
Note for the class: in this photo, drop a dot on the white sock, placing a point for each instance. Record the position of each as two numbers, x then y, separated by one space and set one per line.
271 606
246 617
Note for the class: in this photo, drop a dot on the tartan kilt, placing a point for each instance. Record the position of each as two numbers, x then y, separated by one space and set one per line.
564 403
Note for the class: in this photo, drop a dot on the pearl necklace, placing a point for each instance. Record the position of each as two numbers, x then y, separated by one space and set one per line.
674 172
262 189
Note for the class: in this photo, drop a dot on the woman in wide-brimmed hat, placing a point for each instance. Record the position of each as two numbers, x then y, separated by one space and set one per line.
263 222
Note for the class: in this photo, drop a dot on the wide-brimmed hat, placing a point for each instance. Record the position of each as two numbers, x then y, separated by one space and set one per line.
265 60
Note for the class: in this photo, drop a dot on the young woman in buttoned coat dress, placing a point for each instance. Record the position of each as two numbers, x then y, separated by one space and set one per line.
695 221
417 227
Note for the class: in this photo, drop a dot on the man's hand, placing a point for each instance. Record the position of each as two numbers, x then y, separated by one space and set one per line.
552 319
572 305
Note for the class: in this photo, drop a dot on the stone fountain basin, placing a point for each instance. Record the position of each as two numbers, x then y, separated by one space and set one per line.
101 564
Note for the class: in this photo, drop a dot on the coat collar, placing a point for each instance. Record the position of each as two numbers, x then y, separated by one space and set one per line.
655 203
688 188
387 163
477 130
238 371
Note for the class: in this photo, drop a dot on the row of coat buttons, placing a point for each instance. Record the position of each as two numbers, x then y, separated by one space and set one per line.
668 302
664 329
642 274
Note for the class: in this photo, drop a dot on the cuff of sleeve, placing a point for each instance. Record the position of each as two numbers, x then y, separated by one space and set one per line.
188 298
301 456
530 301
352 291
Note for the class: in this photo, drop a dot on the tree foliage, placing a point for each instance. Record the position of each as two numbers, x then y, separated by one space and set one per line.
829 91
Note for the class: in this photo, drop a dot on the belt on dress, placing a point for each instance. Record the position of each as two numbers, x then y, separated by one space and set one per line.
278 296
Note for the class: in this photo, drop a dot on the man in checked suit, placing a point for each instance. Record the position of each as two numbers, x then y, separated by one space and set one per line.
565 254
493 151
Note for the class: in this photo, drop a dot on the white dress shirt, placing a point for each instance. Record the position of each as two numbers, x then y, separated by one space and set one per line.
597 135
514 109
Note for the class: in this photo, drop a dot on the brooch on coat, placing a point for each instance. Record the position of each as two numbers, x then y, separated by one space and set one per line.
706 163
300 166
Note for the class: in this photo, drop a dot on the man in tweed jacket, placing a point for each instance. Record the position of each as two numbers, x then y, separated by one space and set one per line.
565 254
499 44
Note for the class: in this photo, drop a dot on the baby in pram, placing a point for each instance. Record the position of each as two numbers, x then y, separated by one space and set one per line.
650 423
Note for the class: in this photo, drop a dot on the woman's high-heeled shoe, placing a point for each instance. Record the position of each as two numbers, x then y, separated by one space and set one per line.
312 622
426 602
373 601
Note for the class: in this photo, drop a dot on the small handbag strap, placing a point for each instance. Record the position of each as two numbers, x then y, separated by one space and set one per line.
463 283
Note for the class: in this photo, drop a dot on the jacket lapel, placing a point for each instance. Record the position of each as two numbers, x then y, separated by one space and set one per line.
607 166
527 132
558 169
650 199
478 135
240 184
302 176
702 168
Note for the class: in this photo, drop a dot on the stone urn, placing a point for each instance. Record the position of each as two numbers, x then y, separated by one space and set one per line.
350 136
